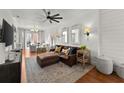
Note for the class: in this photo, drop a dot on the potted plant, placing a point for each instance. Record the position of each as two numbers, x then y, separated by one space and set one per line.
82 47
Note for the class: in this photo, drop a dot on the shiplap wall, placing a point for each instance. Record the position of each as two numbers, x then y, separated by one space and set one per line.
89 19
112 33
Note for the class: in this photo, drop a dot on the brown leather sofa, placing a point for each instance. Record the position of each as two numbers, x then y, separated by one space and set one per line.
69 60
47 59
51 57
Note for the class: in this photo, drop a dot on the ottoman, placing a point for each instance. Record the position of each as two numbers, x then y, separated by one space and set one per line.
119 69
47 59
104 65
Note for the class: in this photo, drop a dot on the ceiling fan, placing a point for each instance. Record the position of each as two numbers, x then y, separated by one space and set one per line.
52 18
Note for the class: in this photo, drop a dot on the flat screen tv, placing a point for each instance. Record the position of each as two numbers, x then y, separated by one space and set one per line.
7 33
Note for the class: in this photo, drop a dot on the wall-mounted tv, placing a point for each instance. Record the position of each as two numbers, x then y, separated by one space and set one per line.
7 33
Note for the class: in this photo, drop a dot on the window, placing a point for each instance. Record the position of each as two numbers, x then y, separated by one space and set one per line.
64 35
34 37
75 34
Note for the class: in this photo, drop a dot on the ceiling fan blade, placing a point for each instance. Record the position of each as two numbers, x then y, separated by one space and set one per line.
55 15
55 20
58 18
44 10
50 21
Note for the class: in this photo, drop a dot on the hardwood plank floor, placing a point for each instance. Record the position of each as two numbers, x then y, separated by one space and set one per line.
96 77
23 69
25 54
91 77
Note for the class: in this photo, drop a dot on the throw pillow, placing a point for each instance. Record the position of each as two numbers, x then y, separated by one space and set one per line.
58 49
65 51
72 50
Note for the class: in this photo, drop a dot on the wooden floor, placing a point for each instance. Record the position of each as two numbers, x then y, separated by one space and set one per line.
23 70
96 77
91 77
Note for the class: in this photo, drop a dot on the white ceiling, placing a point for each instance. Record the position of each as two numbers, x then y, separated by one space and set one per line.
30 17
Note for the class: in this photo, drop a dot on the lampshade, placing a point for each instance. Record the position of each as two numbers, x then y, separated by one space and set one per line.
87 29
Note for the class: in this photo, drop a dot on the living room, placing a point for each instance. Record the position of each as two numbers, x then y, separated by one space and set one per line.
74 44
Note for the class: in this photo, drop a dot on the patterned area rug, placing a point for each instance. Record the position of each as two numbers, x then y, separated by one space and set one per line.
56 73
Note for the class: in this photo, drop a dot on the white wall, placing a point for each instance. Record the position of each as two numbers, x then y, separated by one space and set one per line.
2 51
83 19
112 33
6 15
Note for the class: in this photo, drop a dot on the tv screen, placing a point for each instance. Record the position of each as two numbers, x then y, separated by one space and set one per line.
7 33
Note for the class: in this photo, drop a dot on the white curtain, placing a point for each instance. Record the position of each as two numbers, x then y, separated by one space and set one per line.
49 40
34 38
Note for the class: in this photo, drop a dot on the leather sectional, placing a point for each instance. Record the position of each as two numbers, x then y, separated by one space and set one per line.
51 57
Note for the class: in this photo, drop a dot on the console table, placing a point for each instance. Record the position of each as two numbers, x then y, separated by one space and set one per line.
10 71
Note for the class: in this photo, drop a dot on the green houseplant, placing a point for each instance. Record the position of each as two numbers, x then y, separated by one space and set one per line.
82 47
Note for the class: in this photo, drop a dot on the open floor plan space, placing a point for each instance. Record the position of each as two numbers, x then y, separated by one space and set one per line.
61 46
93 76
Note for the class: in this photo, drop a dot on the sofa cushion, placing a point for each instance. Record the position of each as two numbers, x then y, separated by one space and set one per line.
48 58
72 50
47 55
63 56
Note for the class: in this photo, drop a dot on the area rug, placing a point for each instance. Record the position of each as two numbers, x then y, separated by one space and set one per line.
56 73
